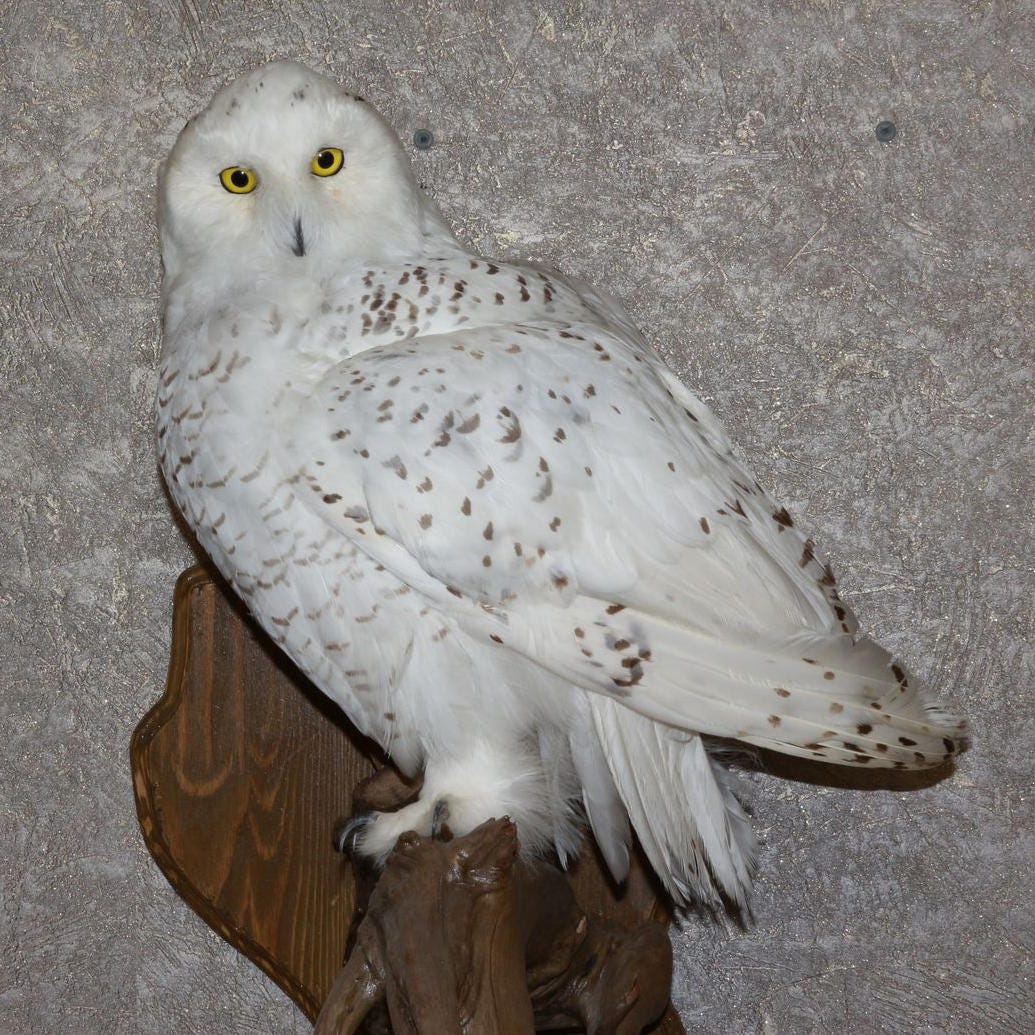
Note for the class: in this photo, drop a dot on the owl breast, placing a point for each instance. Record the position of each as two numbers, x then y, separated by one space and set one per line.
233 373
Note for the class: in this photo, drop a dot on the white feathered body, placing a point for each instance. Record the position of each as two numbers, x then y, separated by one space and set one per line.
480 513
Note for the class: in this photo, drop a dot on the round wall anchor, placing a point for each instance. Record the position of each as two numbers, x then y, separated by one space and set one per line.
886 130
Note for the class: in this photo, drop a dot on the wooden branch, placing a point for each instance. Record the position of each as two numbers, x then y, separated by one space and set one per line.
465 937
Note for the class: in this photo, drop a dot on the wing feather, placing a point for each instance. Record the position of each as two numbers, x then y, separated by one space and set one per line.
558 490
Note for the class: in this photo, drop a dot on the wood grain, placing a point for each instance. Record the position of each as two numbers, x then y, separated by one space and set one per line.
241 772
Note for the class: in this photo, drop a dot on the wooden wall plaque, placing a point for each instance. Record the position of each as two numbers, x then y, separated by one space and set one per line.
242 771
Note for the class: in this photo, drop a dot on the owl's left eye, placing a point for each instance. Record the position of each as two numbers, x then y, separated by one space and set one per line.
327 161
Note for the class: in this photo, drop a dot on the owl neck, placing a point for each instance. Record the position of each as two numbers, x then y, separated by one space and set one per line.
195 285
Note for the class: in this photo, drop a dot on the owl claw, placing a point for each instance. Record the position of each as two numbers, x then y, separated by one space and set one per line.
348 833
440 821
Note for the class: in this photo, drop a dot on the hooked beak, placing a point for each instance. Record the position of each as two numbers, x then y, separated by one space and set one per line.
298 245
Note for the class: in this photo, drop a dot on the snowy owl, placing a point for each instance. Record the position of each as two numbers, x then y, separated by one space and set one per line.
479 512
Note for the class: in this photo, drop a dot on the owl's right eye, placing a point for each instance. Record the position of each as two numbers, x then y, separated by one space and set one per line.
239 180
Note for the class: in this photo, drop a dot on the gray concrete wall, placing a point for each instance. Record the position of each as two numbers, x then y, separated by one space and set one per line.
860 313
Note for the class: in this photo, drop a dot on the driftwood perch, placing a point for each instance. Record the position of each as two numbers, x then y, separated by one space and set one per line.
464 936
241 771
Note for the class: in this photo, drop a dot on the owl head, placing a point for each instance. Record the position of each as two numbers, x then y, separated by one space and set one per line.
285 167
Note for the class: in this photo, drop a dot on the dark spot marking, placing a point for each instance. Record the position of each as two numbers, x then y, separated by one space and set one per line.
513 432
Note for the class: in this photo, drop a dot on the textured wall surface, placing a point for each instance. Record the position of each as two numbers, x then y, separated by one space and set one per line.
860 313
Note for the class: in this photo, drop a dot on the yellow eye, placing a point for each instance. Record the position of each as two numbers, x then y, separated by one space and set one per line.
238 180
327 161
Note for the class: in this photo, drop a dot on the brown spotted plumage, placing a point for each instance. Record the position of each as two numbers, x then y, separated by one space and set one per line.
476 508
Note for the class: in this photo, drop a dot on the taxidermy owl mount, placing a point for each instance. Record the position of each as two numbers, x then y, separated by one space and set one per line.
472 504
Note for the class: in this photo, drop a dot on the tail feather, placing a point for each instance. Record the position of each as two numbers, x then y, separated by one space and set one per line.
690 825
604 809
561 786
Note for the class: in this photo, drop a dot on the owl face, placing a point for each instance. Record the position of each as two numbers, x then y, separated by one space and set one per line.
284 167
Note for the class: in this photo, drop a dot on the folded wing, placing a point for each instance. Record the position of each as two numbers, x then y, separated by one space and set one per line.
557 489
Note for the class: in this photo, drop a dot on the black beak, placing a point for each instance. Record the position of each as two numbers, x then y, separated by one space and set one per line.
298 245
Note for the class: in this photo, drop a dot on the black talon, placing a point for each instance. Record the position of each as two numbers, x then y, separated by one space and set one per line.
347 835
440 822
